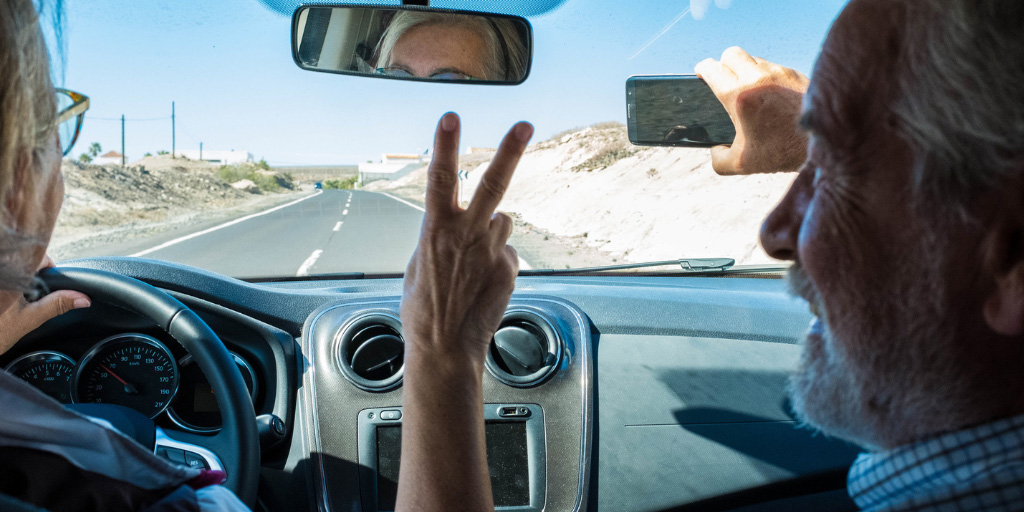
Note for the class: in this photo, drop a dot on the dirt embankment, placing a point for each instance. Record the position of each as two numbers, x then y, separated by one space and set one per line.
110 195
110 204
590 197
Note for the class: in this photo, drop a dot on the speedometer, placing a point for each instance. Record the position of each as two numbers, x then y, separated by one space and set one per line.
133 370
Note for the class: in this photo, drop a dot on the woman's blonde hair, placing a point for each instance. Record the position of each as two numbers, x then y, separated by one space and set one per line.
28 112
505 49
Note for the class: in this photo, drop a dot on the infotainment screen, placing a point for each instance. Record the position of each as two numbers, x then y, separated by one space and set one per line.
507 458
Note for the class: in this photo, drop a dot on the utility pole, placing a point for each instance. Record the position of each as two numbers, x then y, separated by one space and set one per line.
200 151
122 140
172 131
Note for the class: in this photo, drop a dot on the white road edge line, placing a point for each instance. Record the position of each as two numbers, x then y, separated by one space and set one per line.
304 269
337 226
400 200
221 226
523 265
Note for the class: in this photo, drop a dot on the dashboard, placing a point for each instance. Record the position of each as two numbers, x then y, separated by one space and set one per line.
601 393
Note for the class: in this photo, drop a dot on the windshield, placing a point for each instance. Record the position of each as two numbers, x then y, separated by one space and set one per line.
206 145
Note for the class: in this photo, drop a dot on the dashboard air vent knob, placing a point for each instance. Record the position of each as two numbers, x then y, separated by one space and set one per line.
522 349
371 352
525 350
379 357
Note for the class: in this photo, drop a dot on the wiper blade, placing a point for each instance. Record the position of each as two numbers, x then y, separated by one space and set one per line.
685 264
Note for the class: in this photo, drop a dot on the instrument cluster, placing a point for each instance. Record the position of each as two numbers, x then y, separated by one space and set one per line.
133 370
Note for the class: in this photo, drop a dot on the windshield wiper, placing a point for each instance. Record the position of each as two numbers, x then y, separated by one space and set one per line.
697 265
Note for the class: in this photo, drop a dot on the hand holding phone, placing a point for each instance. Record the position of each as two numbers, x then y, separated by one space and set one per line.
763 100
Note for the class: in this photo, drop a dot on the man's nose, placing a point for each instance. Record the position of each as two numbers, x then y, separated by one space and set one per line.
780 231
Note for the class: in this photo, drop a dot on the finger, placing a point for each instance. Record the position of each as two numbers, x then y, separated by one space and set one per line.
413 266
513 257
46 263
53 305
501 227
740 62
719 78
725 161
498 175
442 175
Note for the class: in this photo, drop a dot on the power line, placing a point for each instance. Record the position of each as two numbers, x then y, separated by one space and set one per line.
118 119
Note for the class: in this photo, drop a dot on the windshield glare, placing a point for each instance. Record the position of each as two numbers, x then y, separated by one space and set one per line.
206 145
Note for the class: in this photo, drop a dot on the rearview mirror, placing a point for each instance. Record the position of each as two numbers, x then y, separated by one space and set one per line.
413 43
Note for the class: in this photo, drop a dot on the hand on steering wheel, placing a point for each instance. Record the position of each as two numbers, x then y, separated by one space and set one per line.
24 317
237 444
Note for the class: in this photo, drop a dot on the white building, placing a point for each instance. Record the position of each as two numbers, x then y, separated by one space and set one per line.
218 157
392 166
109 158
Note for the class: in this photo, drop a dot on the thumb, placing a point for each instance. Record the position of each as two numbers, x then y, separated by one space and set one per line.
53 305
724 161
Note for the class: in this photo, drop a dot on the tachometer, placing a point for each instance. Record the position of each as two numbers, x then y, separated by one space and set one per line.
133 370
50 372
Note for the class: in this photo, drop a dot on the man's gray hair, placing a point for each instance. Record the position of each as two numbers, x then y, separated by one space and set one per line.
505 49
960 102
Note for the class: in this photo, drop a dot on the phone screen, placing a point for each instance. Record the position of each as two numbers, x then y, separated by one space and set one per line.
675 110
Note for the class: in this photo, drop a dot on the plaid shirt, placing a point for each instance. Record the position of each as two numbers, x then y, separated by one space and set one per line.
980 468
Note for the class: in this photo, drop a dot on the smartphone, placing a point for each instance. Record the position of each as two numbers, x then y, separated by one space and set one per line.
675 110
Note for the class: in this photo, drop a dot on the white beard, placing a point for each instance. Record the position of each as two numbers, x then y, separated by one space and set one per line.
894 376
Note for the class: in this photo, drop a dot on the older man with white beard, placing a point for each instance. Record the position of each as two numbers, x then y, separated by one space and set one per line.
905 226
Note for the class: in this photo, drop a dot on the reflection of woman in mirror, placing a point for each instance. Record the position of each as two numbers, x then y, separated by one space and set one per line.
451 47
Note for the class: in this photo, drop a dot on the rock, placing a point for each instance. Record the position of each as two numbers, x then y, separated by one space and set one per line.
246 186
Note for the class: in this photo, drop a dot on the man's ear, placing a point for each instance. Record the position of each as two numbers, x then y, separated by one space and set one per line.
1004 250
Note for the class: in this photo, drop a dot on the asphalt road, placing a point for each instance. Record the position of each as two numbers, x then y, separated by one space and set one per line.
330 232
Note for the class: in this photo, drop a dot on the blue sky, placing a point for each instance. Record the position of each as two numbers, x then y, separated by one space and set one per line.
227 65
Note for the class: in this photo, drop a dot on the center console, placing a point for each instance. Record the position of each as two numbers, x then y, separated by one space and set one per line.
515 456
537 411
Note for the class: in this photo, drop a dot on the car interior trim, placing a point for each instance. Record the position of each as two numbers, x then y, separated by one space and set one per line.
577 324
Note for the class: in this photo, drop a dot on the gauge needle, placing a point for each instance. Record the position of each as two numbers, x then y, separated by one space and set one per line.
128 388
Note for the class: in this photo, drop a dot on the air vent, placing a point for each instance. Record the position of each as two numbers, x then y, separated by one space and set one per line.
525 351
371 352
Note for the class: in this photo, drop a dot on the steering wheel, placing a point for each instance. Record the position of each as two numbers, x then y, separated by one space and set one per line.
236 445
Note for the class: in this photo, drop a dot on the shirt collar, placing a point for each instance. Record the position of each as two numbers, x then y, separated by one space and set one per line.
935 466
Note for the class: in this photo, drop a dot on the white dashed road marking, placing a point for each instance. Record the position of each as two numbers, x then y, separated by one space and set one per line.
344 212
337 226
304 269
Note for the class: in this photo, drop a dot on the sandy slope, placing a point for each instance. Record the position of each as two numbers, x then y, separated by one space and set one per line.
634 204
